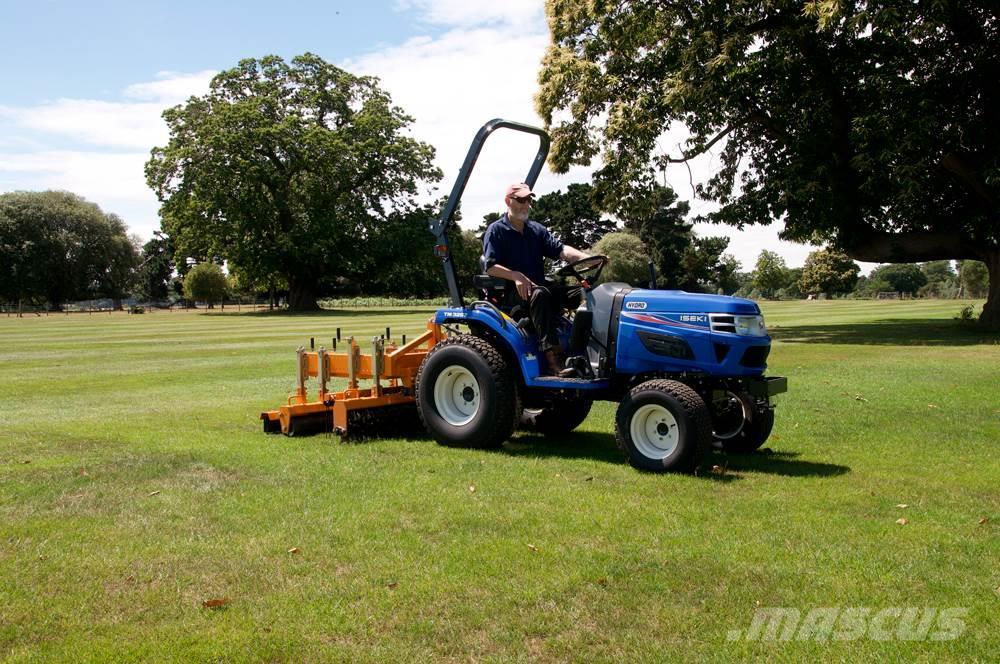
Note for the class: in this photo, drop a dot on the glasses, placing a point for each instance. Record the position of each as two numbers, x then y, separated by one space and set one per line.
522 199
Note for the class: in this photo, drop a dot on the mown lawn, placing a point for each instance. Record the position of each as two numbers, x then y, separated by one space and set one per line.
135 484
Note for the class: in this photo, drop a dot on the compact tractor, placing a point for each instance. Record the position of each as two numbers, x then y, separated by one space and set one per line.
687 370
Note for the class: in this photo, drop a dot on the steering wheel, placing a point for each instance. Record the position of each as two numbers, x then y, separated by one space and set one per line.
587 271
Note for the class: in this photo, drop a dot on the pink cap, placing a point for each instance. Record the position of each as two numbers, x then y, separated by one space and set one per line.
518 190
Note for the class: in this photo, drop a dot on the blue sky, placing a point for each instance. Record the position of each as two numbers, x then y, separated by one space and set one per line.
95 49
83 85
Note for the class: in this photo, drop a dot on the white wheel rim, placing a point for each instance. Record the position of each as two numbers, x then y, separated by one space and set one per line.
456 395
654 431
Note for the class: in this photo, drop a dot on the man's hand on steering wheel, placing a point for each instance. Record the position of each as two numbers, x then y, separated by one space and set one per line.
586 270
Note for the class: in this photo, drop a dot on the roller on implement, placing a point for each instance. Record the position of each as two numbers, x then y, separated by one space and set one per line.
356 411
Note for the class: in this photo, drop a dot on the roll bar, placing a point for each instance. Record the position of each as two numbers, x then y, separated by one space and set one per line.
439 227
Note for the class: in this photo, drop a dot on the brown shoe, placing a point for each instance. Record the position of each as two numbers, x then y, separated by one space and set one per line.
556 361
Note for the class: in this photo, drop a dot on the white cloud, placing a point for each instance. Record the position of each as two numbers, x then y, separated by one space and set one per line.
452 85
40 145
171 88
100 123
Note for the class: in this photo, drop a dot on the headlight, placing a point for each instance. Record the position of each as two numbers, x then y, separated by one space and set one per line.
750 326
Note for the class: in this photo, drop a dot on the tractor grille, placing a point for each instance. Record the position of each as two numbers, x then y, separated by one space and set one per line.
669 346
755 357
723 323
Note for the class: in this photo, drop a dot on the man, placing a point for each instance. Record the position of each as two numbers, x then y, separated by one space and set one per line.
514 247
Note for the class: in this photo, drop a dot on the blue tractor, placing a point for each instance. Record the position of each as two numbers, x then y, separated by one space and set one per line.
687 370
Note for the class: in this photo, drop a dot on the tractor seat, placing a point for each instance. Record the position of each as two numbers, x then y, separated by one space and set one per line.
494 290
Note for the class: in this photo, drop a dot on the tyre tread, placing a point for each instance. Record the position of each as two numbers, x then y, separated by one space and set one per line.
507 394
693 404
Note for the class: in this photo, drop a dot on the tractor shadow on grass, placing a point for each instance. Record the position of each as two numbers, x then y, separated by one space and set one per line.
718 466
890 332
778 463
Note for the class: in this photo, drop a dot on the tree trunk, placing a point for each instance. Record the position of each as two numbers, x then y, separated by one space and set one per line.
116 304
991 310
302 296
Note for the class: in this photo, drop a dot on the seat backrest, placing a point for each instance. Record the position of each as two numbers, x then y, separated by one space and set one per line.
491 289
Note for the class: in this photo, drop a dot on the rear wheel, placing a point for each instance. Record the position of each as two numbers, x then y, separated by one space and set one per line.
558 417
466 394
663 425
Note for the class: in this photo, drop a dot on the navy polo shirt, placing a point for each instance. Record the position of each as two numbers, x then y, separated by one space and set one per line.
520 251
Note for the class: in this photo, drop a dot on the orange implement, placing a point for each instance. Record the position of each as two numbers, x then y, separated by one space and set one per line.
331 411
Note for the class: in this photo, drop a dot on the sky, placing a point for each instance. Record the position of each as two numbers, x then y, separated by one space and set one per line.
83 87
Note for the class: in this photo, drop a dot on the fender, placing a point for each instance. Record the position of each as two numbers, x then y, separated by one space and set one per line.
523 345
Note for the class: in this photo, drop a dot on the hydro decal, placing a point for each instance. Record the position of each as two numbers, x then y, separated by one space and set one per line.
635 305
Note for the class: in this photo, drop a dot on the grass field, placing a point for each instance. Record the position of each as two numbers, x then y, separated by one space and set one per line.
135 484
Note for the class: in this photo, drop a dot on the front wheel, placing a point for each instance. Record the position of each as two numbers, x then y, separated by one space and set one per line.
663 425
466 394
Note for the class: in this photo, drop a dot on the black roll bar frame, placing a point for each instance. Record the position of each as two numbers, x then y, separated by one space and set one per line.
440 226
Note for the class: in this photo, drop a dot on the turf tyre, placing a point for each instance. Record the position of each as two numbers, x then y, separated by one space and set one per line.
479 366
663 425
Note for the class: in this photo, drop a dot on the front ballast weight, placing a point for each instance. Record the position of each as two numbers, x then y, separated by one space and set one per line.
386 405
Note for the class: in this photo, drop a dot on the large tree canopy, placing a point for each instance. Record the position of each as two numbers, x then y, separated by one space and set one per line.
55 246
871 125
285 168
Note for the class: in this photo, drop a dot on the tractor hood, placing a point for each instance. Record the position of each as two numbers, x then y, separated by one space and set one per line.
676 301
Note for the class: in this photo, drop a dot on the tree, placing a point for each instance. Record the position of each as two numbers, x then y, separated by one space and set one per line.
56 246
122 255
900 277
973 278
628 260
658 219
156 268
701 263
830 272
941 279
286 169
404 261
870 125
769 274
572 216
488 219
205 282
728 277
790 290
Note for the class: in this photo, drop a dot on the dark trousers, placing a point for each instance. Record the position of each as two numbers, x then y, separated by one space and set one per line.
545 307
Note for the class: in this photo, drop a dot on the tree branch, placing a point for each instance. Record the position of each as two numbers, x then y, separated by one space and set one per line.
912 247
958 165
701 150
